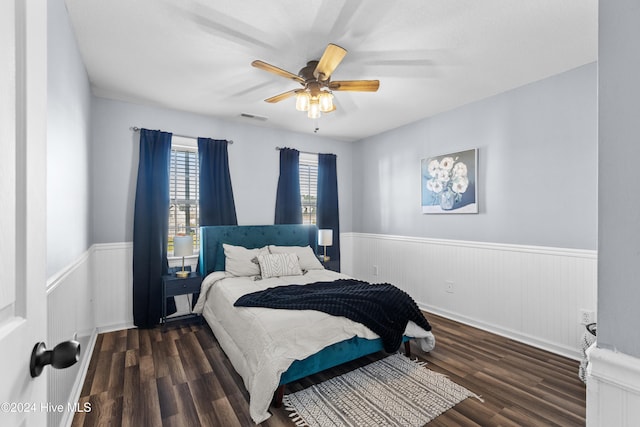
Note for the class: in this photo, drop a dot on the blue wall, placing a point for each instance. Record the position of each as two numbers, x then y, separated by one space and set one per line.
537 149
537 179
68 144
253 163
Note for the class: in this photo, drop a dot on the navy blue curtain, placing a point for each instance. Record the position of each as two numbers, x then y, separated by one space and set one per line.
327 214
288 203
150 228
217 206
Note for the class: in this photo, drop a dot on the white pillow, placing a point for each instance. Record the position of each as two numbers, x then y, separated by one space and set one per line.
307 259
239 260
277 265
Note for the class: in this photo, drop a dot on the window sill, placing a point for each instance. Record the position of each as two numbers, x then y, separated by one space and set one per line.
173 258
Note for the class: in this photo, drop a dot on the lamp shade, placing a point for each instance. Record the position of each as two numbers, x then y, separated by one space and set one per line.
302 101
325 237
314 109
326 101
182 246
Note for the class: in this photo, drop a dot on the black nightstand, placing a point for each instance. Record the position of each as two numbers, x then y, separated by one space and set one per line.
172 286
331 265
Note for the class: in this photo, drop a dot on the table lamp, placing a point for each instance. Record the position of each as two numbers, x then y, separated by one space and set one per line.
182 247
325 238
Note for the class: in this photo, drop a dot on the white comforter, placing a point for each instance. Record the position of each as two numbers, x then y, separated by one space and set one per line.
261 343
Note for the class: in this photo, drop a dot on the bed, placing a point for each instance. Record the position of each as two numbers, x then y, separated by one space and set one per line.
271 347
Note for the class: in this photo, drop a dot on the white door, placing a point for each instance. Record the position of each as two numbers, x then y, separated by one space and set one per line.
23 115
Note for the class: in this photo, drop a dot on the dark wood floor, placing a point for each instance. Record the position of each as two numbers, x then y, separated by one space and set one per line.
181 377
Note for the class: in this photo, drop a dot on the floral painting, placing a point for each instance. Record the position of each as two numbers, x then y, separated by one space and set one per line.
449 183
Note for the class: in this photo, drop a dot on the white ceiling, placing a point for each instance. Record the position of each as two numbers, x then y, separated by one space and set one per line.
429 55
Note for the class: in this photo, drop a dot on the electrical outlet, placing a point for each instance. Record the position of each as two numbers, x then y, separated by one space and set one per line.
586 316
375 270
448 286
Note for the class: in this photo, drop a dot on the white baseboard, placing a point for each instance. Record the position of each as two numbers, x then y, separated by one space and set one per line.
76 390
568 352
115 327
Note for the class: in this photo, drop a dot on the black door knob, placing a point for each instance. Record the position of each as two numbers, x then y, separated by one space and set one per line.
62 356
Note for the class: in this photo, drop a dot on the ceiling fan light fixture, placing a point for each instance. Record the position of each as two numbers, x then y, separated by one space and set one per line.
314 109
316 96
326 101
302 101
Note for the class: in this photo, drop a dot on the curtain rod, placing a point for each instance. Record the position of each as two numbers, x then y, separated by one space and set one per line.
136 129
305 152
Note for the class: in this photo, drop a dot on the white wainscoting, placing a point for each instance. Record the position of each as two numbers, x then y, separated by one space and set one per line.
93 294
532 294
70 311
113 281
113 285
613 389
528 293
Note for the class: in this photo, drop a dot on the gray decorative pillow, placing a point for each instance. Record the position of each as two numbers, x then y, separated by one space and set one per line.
307 259
276 265
238 260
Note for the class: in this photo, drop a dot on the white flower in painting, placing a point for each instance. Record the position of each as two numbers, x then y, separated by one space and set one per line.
447 163
459 169
460 184
434 186
447 176
443 176
433 167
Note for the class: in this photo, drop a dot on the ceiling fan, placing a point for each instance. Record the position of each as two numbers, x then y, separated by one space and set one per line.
316 96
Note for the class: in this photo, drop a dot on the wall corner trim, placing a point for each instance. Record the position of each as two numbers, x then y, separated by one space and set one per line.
60 276
612 367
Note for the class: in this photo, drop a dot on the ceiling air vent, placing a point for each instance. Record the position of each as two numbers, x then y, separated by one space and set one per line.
253 116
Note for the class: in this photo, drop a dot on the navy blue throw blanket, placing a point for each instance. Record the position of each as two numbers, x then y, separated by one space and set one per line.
383 308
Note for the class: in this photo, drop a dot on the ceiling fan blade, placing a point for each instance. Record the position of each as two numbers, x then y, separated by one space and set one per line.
355 85
330 59
222 25
275 70
281 96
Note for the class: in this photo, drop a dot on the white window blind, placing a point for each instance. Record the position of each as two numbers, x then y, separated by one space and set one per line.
184 191
308 164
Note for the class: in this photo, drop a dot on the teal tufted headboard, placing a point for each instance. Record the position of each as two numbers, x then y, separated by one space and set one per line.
250 236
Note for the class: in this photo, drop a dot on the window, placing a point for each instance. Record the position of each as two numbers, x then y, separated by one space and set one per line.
308 186
184 201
